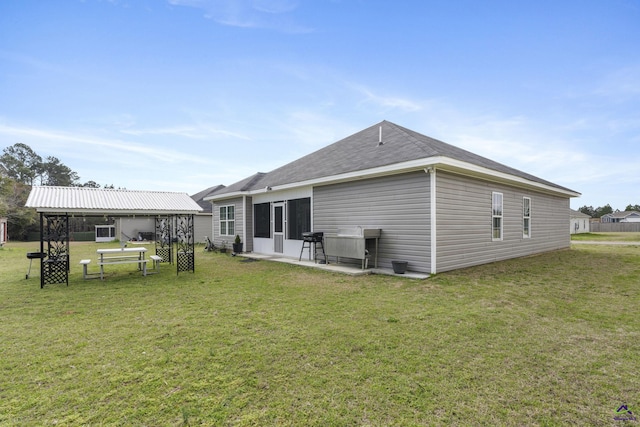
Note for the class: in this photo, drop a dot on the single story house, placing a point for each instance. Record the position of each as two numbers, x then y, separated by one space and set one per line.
626 216
579 222
438 207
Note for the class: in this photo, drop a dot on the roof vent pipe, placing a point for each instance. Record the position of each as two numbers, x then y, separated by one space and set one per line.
380 136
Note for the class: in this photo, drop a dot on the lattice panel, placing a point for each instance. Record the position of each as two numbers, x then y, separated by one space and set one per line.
164 253
55 272
185 243
186 261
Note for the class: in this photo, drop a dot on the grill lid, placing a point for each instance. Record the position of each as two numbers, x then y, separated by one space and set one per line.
36 255
312 236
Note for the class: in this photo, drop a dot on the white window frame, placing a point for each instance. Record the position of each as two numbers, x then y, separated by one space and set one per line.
227 220
497 200
526 217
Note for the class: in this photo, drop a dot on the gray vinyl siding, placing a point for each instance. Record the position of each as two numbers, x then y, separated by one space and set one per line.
239 222
463 235
398 204
202 227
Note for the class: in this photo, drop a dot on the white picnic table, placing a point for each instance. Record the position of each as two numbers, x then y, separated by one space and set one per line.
122 256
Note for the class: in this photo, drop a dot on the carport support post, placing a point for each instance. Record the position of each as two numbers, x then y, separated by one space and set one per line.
41 250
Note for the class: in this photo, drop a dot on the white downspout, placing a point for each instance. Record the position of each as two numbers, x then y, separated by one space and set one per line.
432 226
244 221
213 221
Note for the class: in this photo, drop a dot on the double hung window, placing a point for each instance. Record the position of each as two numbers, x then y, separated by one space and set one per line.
526 217
227 220
496 216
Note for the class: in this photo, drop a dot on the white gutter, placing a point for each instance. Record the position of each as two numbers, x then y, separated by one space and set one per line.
244 219
462 167
112 212
232 195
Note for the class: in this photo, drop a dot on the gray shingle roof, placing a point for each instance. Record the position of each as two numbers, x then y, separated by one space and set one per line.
578 214
622 214
362 151
246 184
200 195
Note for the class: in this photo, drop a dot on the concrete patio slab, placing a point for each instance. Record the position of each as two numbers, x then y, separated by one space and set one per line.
349 269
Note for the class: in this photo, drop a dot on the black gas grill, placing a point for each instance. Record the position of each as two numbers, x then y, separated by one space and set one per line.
315 238
34 255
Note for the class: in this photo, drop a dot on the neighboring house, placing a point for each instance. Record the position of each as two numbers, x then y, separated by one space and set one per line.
439 207
579 222
203 221
626 216
105 233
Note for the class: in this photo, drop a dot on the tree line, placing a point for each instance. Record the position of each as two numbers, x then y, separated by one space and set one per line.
21 168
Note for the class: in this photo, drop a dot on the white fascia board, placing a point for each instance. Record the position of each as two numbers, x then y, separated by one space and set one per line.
444 163
441 162
232 195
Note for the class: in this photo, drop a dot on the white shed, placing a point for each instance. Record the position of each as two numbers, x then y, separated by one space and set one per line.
579 222
3 231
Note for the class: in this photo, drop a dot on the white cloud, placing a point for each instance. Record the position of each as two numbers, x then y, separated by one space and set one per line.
35 63
265 14
312 129
621 85
192 132
118 147
546 152
387 102
275 6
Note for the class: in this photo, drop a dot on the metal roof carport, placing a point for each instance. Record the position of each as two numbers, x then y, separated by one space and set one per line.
174 213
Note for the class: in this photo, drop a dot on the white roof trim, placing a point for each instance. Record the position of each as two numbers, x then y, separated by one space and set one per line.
444 163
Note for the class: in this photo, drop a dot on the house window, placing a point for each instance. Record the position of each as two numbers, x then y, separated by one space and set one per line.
227 220
496 216
262 220
526 217
299 217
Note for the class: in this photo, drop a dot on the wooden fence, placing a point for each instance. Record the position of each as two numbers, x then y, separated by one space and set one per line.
614 227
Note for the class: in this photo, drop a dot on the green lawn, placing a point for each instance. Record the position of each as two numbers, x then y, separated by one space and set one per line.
546 340
610 237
